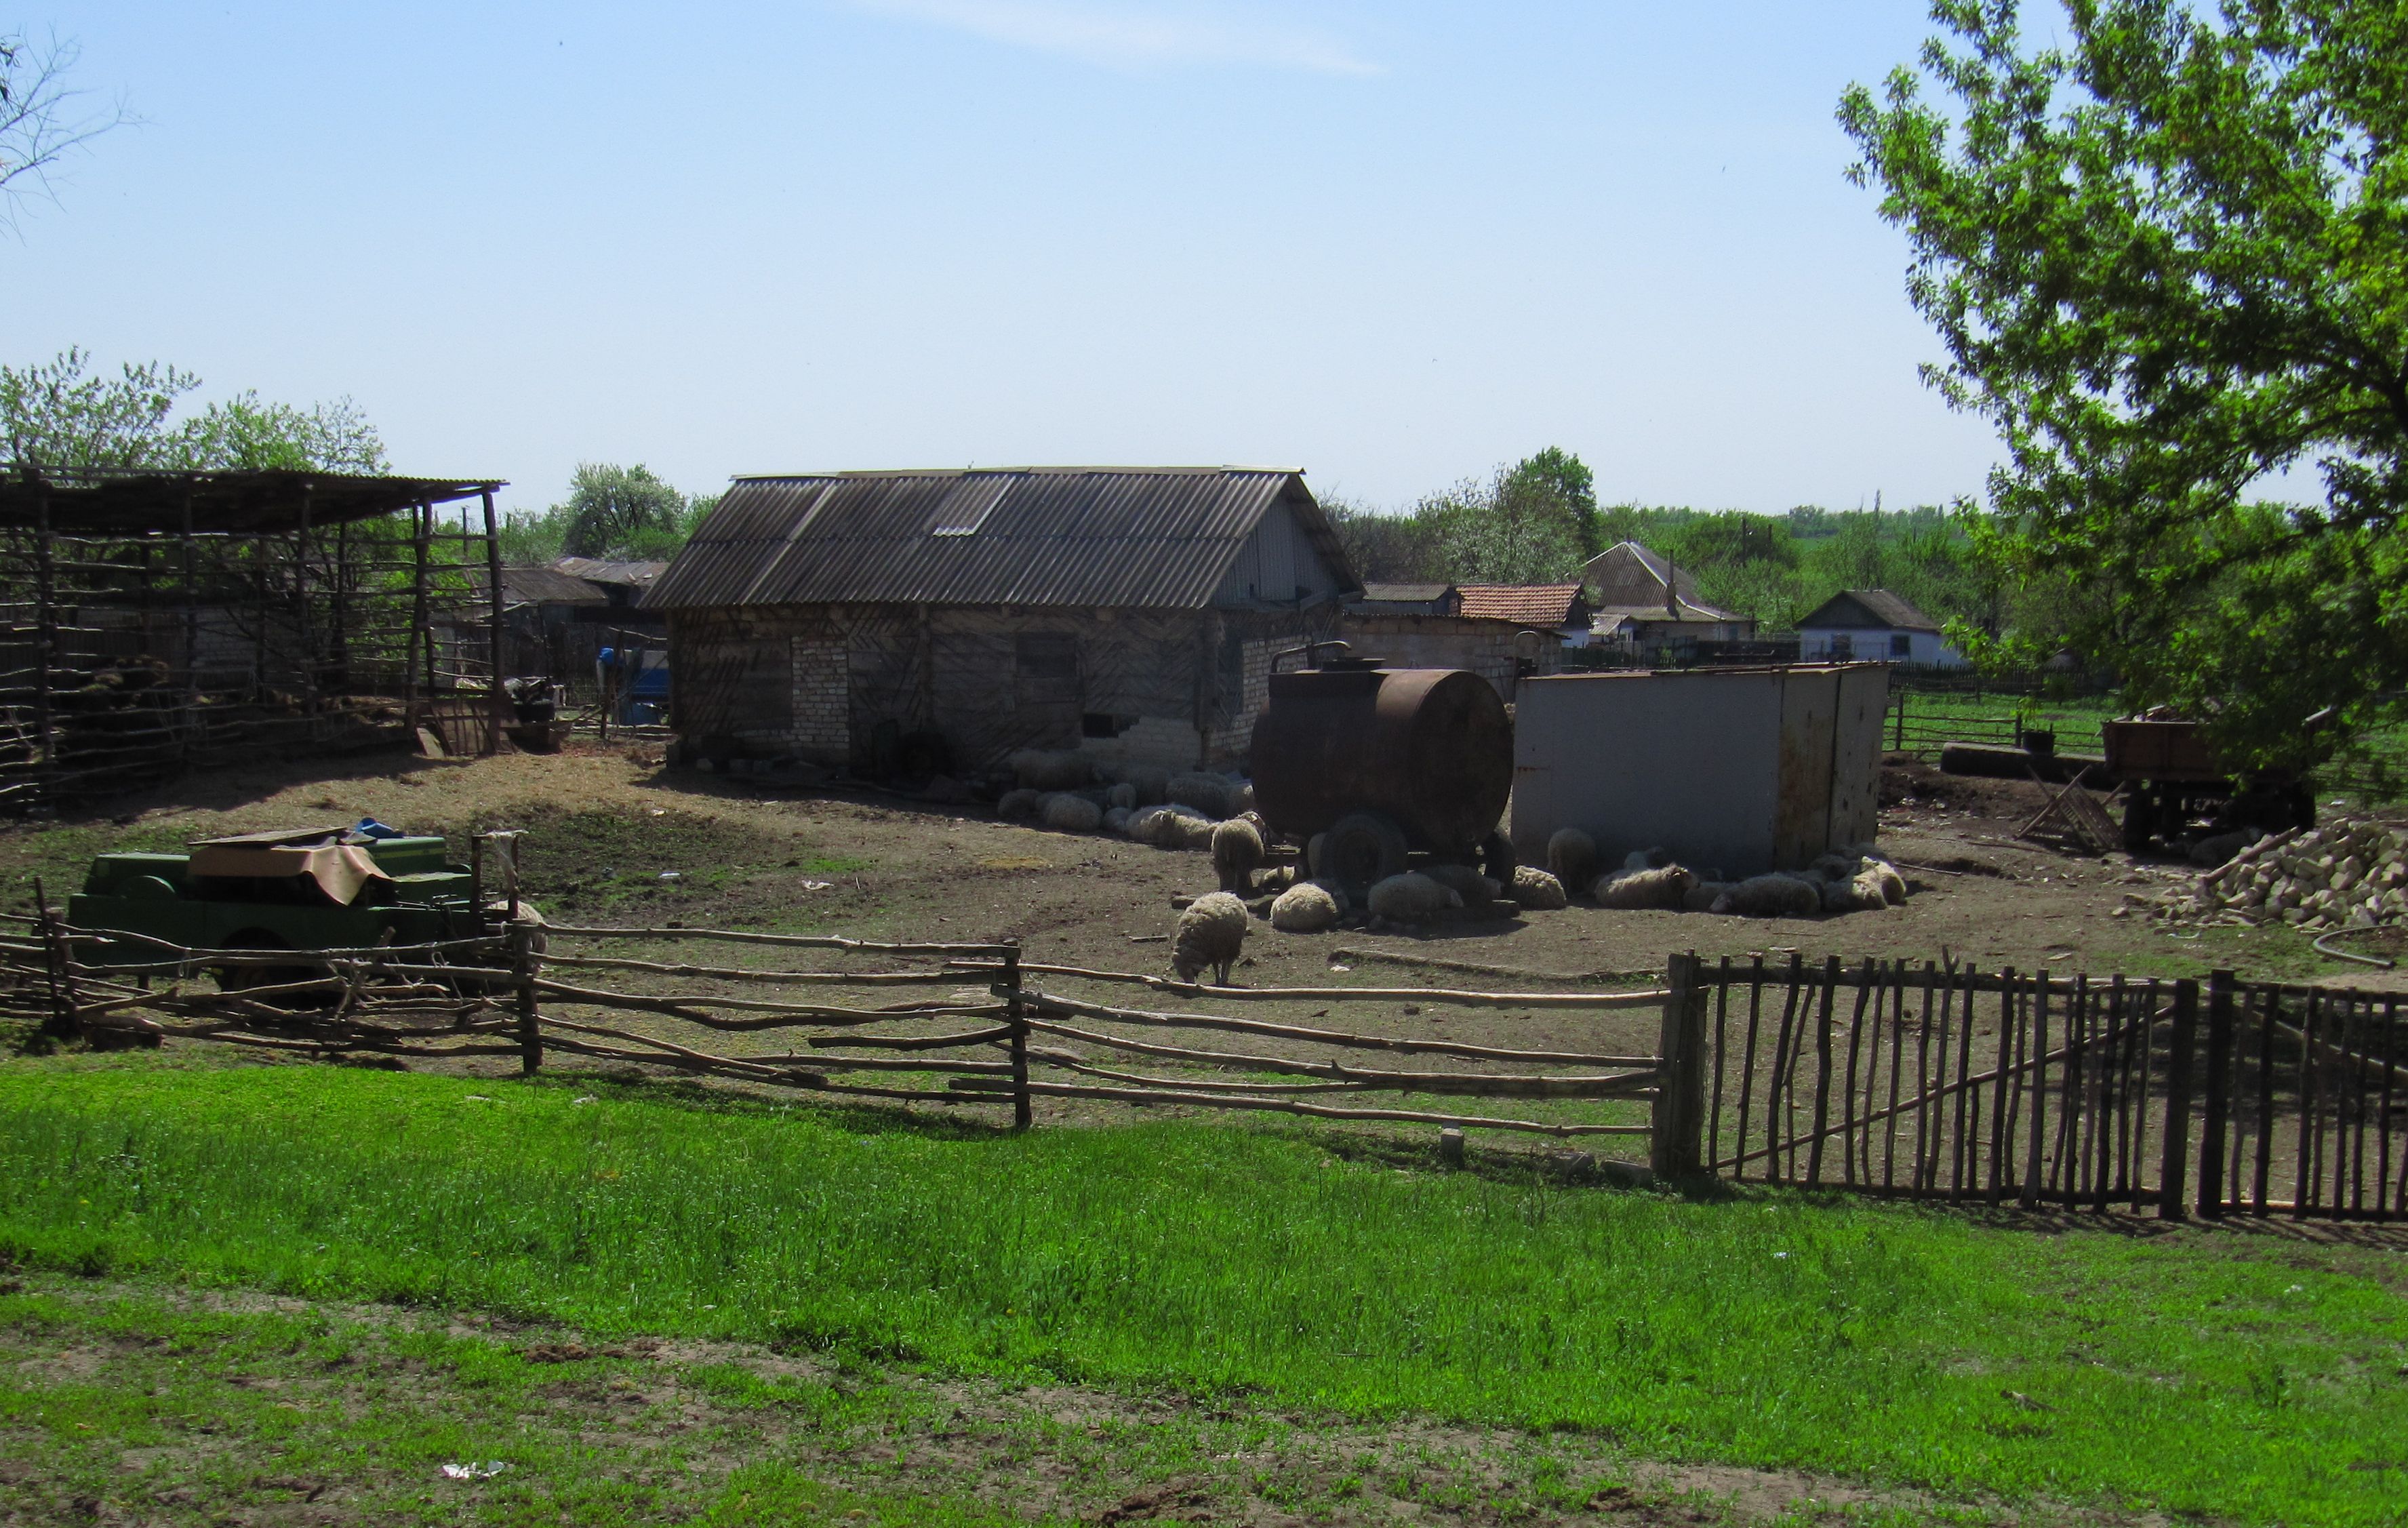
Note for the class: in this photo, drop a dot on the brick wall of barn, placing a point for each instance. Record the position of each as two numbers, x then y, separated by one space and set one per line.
823 683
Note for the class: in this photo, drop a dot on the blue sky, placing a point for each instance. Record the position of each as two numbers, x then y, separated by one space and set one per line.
1392 244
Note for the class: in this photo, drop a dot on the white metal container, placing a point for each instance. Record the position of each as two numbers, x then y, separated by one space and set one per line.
1732 770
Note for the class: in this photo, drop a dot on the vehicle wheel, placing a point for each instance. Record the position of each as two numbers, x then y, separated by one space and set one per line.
1497 858
2140 822
243 978
1362 849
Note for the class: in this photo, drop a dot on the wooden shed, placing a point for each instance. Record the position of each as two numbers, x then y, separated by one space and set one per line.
883 620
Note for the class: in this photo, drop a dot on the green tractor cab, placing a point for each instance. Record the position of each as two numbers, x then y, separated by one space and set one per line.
298 889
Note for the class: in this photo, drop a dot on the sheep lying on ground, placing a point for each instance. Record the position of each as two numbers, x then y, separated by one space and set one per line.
1020 803
1664 887
1072 813
1210 934
1775 896
1474 888
1116 819
1571 858
1309 907
1536 890
1207 793
1123 795
1236 854
1410 897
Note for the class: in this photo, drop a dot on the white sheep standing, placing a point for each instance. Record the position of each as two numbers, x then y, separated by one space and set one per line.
1212 932
1571 858
1308 906
1236 854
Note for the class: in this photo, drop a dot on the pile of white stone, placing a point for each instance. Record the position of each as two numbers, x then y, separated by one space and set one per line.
2349 873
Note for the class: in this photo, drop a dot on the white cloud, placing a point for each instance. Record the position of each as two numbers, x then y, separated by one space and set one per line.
1136 34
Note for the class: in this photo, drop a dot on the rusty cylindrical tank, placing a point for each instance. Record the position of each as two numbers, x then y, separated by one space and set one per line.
1432 748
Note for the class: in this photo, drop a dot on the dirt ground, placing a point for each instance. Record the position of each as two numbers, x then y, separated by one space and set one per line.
607 823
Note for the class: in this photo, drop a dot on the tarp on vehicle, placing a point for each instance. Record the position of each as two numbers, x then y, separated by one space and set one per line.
340 870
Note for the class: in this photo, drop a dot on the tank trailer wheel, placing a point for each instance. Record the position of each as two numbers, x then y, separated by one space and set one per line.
1361 849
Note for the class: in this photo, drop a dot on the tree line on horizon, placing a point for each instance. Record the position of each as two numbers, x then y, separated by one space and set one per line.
1538 520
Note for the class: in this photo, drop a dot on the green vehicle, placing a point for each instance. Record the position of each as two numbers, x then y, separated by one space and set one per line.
298 889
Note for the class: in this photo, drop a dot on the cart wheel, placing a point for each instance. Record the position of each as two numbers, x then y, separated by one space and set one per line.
2140 821
1362 849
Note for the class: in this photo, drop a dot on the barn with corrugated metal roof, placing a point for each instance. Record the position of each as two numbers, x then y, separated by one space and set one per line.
880 620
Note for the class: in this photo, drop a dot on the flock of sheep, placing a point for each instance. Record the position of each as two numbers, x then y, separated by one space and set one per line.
1076 793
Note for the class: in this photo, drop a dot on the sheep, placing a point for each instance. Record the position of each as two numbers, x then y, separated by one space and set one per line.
1140 824
1410 897
1210 933
1173 828
1308 906
1474 888
1705 895
1020 803
1647 859
1116 821
1664 887
1042 770
1571 857
1151 784
1535 889
1123 795
1775 896
1236 854
1072 813
1209 794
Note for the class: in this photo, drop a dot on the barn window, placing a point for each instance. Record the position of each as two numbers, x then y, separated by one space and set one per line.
1104 724
1048 668
1900 645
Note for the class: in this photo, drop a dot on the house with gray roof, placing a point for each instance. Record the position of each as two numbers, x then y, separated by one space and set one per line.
924 621
1874 626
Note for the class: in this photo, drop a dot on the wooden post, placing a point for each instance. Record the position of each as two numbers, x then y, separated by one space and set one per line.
188 549
2175 1160
61 1025
1822 1071
46 633
1676 1142
421 517
306 627
1017 1017
1897 744
2033 1152
2214 1118
522 937
498 704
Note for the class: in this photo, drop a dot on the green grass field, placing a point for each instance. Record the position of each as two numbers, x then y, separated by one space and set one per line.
2202 1372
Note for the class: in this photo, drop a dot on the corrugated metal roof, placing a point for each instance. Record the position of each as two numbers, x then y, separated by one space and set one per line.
1144 537
1868 608
1530 604
548 586
597 570
1405 594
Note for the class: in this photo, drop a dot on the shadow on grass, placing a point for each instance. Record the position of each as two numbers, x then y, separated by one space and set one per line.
863 1117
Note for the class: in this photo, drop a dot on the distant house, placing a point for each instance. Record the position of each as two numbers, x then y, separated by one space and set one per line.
1558 608
865 618
1407 599
1500 632
1874 626
1643 602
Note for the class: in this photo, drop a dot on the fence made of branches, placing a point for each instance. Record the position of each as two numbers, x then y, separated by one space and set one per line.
2040 1090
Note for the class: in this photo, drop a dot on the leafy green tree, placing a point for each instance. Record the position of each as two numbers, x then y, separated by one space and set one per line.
64 414
2169 258
1563 477
620 512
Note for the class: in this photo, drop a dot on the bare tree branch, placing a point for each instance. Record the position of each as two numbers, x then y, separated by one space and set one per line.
40 119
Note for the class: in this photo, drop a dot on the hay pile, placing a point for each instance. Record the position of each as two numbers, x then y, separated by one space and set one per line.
2349 873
